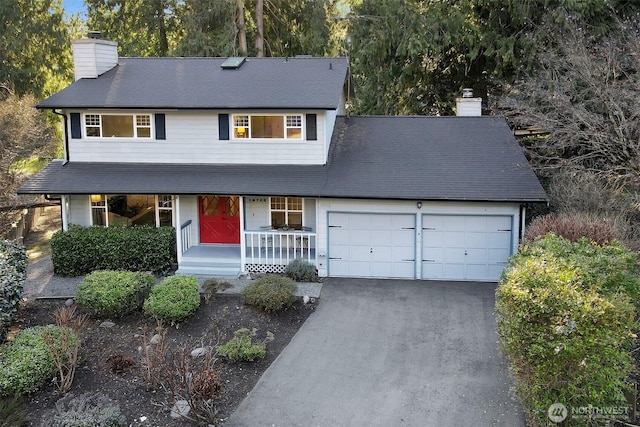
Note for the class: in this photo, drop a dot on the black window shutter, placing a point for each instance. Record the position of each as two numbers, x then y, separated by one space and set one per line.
223 127
312 127
160 128
76 128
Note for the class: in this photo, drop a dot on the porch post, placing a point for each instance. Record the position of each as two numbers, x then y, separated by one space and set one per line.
178 230
63 212
243 254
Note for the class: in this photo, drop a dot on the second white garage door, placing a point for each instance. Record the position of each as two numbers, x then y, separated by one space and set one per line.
465 247
371 245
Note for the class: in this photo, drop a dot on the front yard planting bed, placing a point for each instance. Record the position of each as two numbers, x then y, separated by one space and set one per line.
213 323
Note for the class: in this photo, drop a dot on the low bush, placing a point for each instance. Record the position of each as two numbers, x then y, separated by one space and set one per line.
87 410
573 226
174 299
12 414
114 293
13 274
25 362
241 347
566 322
270 293
301 270
81 250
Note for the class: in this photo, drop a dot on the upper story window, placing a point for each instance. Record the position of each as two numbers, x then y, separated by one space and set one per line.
117 125
251 126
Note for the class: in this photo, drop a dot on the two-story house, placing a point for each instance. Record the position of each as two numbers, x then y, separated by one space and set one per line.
255 163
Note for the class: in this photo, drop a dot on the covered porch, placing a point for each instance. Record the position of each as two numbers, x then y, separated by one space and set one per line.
258 248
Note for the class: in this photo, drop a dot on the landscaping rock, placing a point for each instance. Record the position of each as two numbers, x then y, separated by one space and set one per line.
107 324
69 302
180 409
199 352
155 339
305 299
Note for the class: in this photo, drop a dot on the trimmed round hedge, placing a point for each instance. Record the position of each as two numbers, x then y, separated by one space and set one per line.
174 299
25 362
114 293
271 293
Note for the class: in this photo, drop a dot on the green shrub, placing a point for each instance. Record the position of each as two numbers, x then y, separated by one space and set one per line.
86 410
566 322
241 347
301 270
174 299
13 274
271 293
81 250
114 293
11 412
25 362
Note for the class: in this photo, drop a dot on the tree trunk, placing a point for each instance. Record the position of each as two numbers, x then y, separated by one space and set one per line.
259 28
242 32
162 28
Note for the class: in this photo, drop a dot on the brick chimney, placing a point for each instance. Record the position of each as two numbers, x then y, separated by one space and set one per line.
468 106
93 56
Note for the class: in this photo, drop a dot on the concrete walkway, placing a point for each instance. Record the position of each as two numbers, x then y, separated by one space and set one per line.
389 353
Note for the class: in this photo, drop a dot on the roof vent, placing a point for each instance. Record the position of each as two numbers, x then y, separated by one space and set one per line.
467 93
233 62
97 35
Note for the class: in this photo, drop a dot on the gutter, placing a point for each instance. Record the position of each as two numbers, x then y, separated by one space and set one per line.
65 136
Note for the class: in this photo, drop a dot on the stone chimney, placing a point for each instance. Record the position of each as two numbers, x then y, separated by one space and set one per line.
468 106
93 56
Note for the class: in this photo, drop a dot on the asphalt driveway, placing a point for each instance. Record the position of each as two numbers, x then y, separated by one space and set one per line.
389 353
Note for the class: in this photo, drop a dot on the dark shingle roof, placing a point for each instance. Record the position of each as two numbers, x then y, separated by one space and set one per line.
415 158
200 83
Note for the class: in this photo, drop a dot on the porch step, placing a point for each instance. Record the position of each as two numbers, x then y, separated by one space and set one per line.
209 268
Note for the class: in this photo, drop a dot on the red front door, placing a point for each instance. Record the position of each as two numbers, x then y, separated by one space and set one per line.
219 219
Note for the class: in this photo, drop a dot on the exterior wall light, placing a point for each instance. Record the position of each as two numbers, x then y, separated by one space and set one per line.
419 205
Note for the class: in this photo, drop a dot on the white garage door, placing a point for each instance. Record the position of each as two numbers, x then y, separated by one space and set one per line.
465 247
371 245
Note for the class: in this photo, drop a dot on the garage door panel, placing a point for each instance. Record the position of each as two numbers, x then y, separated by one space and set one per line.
454 239
498 255
403 269
465 247
403 254
433 270
476 239
454 255
499 223
453 223
359 237
381 237
476 256
381 254
499 239
379 245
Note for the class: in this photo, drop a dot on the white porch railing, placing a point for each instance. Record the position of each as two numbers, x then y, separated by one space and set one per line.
277 247
185 233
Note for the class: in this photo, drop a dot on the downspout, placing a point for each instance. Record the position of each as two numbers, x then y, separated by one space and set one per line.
523 218
65 137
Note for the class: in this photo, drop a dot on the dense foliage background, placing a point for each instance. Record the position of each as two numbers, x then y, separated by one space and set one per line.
566 69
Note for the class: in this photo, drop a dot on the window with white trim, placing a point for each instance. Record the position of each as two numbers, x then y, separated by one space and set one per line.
255 126
286 212
131 209
117 125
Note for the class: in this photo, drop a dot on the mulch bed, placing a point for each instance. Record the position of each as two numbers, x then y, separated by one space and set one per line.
214 322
